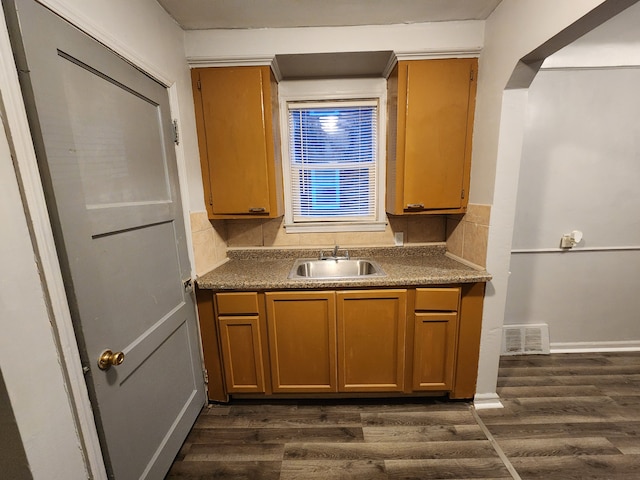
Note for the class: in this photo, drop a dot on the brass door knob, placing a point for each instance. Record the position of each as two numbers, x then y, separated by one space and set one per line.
108 358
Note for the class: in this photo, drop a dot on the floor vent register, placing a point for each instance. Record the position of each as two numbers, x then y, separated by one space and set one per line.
525 339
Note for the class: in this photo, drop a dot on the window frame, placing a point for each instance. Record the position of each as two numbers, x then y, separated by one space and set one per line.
328 91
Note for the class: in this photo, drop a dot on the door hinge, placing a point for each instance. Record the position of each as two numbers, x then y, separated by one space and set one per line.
472 75
462 193
199 85
206 376
176 136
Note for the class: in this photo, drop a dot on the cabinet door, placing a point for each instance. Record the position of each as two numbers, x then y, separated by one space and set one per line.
242 354
302 341
434 350
234 114
371 340
432 103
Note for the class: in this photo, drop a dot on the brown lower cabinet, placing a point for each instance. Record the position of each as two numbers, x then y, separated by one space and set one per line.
302 341
240 333
435 338
371 340
240 343
345 342
434 350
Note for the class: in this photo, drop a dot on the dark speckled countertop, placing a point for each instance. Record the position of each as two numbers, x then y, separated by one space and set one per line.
268 269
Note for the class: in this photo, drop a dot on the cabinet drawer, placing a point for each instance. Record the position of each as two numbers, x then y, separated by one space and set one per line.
237 303
437 299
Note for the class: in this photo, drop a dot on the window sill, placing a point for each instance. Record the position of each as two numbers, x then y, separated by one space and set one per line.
323 227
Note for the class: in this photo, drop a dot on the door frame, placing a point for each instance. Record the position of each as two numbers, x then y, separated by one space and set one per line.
40 223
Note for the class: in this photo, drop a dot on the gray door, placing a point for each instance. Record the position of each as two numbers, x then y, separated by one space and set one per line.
104 141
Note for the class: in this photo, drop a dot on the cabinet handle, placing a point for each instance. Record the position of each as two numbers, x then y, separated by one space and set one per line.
413 206
257 210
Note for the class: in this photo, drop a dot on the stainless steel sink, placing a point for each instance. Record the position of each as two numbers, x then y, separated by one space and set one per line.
335 268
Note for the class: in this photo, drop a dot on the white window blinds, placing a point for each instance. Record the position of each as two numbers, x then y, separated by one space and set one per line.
332 150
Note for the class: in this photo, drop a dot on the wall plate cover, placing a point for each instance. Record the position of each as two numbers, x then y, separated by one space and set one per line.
398 238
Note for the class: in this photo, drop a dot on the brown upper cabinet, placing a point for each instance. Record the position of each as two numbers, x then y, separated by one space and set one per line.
239 141
431 106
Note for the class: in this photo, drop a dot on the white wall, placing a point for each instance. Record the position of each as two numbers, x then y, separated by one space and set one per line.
580 168
201 45
614 43
589 299
580 160
28 355
515 28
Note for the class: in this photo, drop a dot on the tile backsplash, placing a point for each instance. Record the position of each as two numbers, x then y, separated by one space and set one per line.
209 242
271 233
466 235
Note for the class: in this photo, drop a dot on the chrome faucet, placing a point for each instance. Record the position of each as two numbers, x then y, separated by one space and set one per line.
334 255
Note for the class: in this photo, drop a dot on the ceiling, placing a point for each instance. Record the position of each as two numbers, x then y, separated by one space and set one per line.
228 14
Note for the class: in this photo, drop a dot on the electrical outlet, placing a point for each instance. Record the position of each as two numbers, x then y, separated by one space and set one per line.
567 241
398 238
570 240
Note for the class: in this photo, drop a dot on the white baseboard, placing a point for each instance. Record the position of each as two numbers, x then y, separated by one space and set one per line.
592 347
485 401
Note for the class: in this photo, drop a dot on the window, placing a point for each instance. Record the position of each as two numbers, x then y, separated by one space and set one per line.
332 163
332 155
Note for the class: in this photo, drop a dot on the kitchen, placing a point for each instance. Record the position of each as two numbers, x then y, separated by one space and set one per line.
158 48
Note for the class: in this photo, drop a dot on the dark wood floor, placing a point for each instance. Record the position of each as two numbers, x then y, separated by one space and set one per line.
571 416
